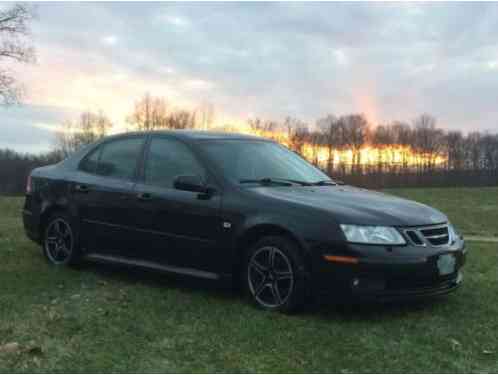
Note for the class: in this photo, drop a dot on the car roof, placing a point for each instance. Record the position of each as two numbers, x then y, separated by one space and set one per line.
188 135
198 135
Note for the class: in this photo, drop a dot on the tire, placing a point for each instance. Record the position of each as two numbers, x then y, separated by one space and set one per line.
275 275
60 240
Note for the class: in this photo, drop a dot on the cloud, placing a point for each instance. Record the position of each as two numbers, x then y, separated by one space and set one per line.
30 128
340 57
47 126
110 39
389 60
493 65
177 21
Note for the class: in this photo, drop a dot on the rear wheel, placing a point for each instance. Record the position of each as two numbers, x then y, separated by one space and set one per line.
275 274
60 240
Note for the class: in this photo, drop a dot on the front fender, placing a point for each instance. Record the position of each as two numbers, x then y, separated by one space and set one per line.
263 224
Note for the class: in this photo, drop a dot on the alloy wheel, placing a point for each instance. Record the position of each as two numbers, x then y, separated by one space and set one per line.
270 277
59 241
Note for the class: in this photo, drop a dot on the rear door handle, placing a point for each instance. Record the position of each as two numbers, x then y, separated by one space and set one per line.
144 196
82 188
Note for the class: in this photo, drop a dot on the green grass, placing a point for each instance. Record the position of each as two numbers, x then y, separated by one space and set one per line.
102 319
474 211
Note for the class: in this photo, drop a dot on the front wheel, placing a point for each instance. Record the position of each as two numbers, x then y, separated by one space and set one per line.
275 274
60 240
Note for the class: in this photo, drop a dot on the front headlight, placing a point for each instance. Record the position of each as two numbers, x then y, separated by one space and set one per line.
372 235
454 236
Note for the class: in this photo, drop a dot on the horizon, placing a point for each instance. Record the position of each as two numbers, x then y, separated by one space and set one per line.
388 61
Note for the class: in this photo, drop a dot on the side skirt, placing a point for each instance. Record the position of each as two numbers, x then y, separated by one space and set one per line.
99 258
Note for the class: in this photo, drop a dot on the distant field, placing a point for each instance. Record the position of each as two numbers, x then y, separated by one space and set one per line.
474 211
102 319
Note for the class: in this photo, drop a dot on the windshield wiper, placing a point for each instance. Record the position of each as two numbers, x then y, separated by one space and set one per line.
290 182
266 181
325 183
298 182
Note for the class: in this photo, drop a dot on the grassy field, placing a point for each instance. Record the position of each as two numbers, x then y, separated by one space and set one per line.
102 319
474 211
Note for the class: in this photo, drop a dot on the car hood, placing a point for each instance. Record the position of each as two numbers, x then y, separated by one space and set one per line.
351 205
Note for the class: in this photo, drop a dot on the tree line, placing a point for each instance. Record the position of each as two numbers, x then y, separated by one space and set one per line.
15 168
395 146
347 147
393 154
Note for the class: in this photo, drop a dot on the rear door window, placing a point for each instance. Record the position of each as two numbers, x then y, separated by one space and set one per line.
90 162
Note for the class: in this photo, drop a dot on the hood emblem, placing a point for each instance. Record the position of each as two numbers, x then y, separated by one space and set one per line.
434 218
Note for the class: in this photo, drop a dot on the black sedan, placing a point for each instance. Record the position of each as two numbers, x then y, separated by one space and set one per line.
241 209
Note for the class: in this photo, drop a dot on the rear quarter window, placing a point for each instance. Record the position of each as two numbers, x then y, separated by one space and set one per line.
116 159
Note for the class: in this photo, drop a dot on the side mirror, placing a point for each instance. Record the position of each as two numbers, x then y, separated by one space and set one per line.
190 183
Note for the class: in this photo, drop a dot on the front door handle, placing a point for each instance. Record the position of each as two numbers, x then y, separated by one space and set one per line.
82 188
144 196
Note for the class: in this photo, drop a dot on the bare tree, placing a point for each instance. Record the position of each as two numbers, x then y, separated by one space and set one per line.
259 126
472 150
355 129
180 119
89 128
333 139
403 136
299 138
489 149
205 116
296 132
429 140
150 113
456 150
14 31
402 133
383 135
382 139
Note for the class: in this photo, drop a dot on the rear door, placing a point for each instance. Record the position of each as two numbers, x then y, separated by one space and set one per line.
179 228
104 194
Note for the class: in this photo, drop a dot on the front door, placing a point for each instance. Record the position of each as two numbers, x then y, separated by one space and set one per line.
178 228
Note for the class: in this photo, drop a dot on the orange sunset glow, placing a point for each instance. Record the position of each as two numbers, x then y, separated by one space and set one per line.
368 155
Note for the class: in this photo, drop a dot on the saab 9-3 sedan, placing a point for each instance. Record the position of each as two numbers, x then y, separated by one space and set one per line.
241 209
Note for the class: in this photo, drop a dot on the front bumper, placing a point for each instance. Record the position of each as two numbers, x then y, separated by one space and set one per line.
385 274
427 290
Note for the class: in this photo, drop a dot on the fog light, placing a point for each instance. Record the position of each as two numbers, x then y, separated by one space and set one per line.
356 282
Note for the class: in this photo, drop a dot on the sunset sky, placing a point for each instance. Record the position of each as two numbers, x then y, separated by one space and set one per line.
389 61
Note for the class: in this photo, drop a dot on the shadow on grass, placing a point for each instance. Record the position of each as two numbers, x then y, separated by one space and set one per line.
156 279
353 311
229 294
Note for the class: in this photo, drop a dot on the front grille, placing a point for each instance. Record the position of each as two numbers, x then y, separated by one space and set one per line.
414 237
436 235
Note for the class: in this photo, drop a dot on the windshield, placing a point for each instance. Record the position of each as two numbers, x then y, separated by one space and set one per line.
242 160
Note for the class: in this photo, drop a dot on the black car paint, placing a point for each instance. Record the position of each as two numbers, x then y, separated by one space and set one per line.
190 231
